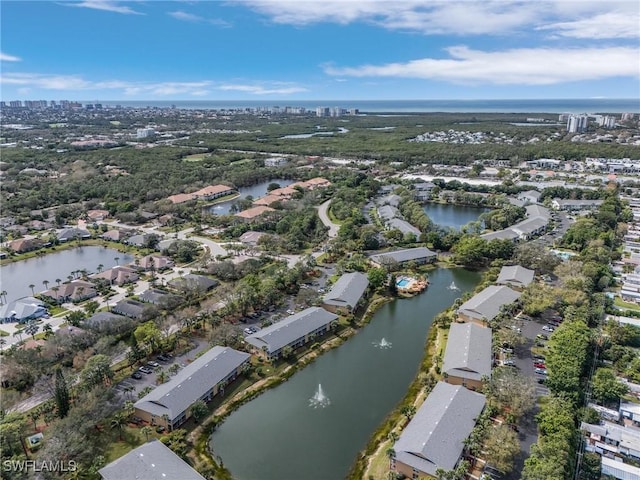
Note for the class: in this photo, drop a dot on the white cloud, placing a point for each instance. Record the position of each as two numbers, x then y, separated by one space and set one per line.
493 17
605 25
9 58
526 66
77 83
277 89
105 5
190 17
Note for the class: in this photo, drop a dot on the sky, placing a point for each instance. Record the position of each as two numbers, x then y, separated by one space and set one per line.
313 50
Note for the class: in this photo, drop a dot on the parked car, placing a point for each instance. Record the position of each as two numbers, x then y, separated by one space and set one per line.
547 328
540 365
248 331
254 329
508 362
146 370
542 336
541 371
290 312
152 364
542 381
162 357
515 329
137 375
538 358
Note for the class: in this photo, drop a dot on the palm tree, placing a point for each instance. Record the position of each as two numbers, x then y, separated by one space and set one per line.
391 454
3 296
99 268
55 289
117 259
146 431
47 330
18 333
3 342
128 408
58 281
162 376
119 421
32 286
46 284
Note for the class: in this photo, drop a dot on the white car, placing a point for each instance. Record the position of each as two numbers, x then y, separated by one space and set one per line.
516 329
547 328
248 331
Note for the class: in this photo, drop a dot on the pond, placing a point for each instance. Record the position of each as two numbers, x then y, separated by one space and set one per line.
454 216
16 277
256 191
314 425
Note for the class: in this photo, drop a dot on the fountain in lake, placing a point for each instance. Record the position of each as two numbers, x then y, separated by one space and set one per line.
383 344
453 286
319 399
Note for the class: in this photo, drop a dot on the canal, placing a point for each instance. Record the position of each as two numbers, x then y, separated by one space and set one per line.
454 216
16 277
283 434
256 191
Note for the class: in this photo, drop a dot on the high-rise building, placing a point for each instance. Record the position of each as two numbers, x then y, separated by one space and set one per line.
322 111
577 123
145 132
15 103
627 116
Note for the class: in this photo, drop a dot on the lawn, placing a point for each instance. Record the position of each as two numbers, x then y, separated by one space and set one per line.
379 467
618 302
196 157
3 333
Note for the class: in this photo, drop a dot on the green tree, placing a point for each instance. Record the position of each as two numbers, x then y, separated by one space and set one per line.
501 448
146 431
377 277
149 335
199 410
119 421
606 388
61 394
97 371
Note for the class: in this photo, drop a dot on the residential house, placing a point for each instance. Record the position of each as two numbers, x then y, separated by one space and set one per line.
159 297
293 332
435 437
251 237
212 192
345 295
168 405
400 258
139 240
275 161
267 200
575 205
253 213
631 412
485 305
191 282
422 191
97 215
116 235
150 461
404 227
180 198
23 245
317 182
22 310
529 197
69 234
392 199
118 275
74 291
612 440
468 355
101 320
129 308
515 276
616 469
155 262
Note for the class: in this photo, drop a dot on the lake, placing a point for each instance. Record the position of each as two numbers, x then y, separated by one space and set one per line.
454 216
256 191
281 436
16 277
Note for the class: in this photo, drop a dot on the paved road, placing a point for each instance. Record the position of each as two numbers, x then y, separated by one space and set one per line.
324 218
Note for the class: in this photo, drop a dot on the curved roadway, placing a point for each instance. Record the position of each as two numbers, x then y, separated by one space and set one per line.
324 218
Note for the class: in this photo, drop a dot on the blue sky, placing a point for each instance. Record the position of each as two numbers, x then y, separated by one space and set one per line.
314 50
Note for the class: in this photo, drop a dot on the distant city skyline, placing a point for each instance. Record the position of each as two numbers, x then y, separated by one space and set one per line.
285 51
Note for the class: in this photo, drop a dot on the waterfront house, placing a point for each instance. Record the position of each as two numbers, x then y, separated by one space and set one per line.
74 291
69 234
485 305
434 438
212 192
293 332
347 293
23 245
400 258
515 276
468 355
118 275
150 461
168 405
267 200
22 310
575 205
253 213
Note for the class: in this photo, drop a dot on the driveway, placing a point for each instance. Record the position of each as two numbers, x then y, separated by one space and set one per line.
324 218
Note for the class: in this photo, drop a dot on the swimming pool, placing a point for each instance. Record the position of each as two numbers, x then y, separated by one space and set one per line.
403 282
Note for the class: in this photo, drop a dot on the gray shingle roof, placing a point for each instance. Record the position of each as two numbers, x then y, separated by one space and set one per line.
507 234
487 303
403 226
387 212
192 382
289 330
129 308
151 461
157 297
468 353
434 437
406 255
348 290
515 275
72 234
21 309
191 280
